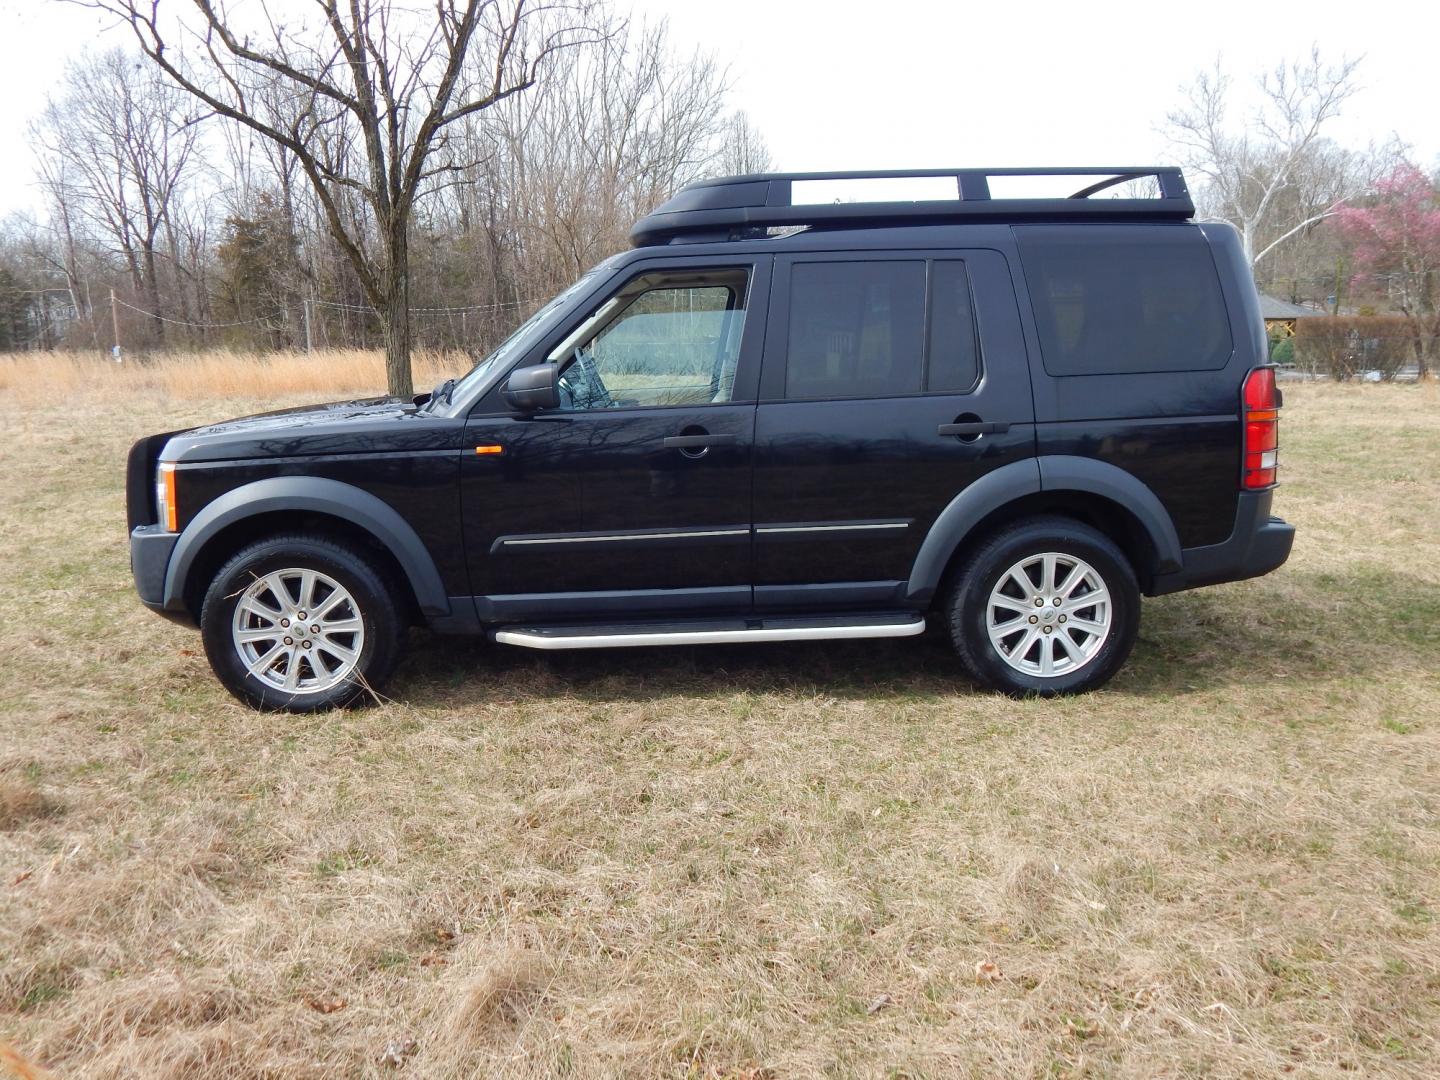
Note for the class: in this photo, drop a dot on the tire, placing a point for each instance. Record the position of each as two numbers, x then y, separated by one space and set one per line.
1010 655
268 657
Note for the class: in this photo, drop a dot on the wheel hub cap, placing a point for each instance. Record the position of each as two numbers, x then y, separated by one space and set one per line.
298 630
1049 615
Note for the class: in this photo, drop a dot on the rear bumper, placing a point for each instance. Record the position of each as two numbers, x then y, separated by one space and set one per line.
150 550
1258 544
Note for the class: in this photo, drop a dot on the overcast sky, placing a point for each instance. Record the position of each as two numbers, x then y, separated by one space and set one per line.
903 83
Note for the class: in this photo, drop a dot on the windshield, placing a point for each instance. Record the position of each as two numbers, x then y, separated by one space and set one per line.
521 337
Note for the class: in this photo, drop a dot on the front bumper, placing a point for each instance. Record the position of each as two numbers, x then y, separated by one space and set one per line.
150 550
1258 544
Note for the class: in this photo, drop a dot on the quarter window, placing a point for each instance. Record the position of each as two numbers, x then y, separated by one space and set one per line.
667 339
1125 299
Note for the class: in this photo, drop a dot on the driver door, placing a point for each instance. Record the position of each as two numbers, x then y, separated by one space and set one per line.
634 494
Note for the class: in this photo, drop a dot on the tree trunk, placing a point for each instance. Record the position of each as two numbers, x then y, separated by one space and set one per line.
152 294
398 376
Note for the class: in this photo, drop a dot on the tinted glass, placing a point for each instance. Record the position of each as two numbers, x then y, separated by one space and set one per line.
670 345
953 364
1125 299
856 329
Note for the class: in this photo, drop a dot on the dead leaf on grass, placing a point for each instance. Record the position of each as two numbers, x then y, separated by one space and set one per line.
327 1003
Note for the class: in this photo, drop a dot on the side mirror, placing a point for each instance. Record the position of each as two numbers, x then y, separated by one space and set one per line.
530 389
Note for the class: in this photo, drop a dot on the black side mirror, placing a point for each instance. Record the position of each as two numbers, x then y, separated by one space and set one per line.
530 389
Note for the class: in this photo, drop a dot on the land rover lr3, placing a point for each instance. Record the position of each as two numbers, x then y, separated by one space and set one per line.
779 417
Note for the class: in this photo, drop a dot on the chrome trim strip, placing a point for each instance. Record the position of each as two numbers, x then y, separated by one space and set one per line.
830 528
623 536
710 637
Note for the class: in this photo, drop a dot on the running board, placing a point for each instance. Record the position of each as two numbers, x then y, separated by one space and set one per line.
713 631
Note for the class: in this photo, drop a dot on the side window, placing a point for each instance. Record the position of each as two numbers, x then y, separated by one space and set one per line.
861 329
855 329
1112 300
666 339
952 355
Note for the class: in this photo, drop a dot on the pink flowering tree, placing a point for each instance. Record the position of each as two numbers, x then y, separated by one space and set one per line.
1396 245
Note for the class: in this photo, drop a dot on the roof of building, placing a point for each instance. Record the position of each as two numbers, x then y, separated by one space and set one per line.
1271 308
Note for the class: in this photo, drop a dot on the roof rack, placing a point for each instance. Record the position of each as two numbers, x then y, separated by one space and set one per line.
737 207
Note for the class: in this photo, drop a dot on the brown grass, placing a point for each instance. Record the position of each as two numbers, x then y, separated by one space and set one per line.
221 374
735 862
21 801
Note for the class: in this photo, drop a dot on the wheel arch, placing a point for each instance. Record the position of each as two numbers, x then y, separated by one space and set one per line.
1097 493
301 504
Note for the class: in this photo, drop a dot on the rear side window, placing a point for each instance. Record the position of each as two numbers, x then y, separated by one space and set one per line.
1117 299
861 329
952 357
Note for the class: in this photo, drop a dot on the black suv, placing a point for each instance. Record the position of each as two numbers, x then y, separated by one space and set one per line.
779 417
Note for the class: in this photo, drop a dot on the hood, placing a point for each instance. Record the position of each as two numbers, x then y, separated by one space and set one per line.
367 426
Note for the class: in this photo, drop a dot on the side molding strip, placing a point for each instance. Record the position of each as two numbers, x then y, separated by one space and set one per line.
855 527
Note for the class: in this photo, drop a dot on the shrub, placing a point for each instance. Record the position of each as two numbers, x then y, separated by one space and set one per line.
1344 346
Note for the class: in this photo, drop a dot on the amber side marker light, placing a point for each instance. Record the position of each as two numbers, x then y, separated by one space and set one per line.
172 511
492 449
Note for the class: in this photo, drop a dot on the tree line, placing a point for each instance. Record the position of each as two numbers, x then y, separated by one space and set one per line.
376 175
382 175
1350 231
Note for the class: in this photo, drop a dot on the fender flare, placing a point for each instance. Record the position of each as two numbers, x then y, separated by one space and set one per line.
318 495
1054 472
978 501
1065 472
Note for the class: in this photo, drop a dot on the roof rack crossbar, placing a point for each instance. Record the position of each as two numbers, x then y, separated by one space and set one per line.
740 205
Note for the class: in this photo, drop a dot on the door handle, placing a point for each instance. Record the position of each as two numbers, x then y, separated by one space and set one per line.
993 427
687 442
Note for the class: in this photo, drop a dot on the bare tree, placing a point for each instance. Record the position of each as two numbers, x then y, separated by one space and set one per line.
1277 175
742 148
117 147
362 97
561 174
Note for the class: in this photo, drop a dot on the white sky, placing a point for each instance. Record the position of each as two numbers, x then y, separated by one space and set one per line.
839 84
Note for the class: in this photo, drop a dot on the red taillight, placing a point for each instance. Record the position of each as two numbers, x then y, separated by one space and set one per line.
1262 423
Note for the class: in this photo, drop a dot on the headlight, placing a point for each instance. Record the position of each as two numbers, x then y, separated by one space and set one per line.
166 511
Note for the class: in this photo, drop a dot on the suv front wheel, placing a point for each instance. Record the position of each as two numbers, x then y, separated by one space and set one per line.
1045 606
300 624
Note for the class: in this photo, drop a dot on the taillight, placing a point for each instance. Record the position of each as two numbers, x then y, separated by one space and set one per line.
1262 429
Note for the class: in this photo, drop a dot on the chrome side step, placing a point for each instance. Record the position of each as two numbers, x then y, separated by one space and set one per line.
713 631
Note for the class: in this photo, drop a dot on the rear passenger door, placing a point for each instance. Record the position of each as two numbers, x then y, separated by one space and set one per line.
891 381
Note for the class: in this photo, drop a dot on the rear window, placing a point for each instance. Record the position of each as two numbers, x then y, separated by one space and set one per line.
1125 299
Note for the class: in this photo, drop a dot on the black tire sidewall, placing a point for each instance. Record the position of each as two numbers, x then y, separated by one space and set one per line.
376 608
971 596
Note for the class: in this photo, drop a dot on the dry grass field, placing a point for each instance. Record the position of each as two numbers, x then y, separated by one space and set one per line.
836 860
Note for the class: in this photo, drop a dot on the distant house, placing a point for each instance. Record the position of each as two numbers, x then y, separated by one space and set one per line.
1280 316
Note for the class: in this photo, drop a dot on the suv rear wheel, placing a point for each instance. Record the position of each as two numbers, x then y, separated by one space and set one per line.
300 624
1045 606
